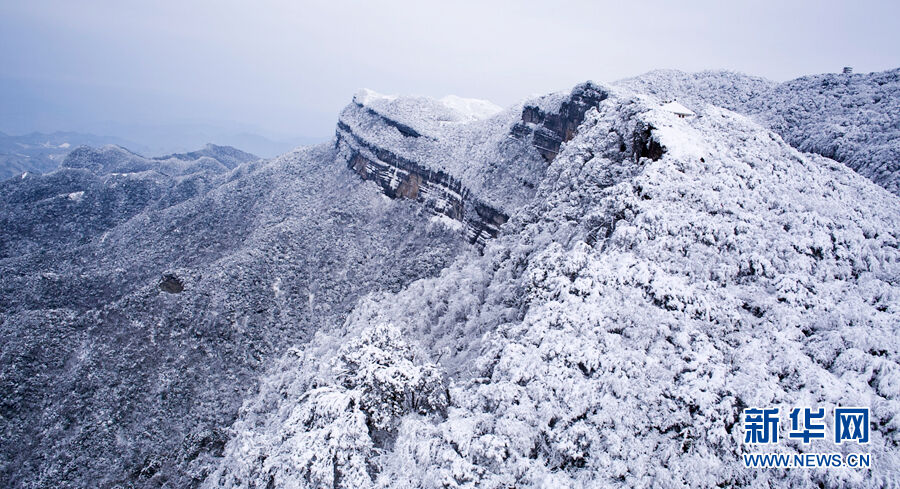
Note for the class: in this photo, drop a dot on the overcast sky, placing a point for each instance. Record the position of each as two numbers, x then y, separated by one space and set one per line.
285 68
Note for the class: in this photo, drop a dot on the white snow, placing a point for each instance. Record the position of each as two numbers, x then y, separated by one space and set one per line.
853 119
276 287
677 108
471 108
76 196
612 335
366 96
443 220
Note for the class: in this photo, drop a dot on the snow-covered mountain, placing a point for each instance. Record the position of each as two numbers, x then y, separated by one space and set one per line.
852 118
476 170
614 331
138 309
583 290
41 153
116 159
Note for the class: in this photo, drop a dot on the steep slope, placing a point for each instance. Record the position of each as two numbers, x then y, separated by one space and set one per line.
138 308
854 119
614 331
41 153
472 166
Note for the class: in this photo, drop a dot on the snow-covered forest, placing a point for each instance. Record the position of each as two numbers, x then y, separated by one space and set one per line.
615 330
582 290
851 118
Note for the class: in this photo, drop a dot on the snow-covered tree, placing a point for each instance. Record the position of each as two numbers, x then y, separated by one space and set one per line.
333 435
381 366
615 331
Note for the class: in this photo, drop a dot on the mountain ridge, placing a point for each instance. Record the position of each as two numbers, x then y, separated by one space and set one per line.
84 303
356 314
613 332
851 118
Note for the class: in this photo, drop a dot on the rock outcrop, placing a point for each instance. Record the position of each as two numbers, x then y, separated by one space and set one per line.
550 128
402 178
408 164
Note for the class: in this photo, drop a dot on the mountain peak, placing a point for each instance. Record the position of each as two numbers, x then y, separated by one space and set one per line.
581 290
666 273
228 156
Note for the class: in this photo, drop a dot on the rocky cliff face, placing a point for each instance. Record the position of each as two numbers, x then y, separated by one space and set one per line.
550 128
668 274
406 164
402 178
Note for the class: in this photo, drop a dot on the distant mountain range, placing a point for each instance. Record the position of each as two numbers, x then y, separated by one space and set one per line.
586 289
43 152
115 159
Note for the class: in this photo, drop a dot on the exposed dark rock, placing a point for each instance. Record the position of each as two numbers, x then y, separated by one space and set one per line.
402 178
171 283
551 129
645 146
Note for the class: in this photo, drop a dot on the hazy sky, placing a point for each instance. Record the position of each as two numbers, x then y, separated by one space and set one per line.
285 68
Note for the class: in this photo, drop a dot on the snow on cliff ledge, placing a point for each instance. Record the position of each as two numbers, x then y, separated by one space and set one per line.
615 332
472 108
463 109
